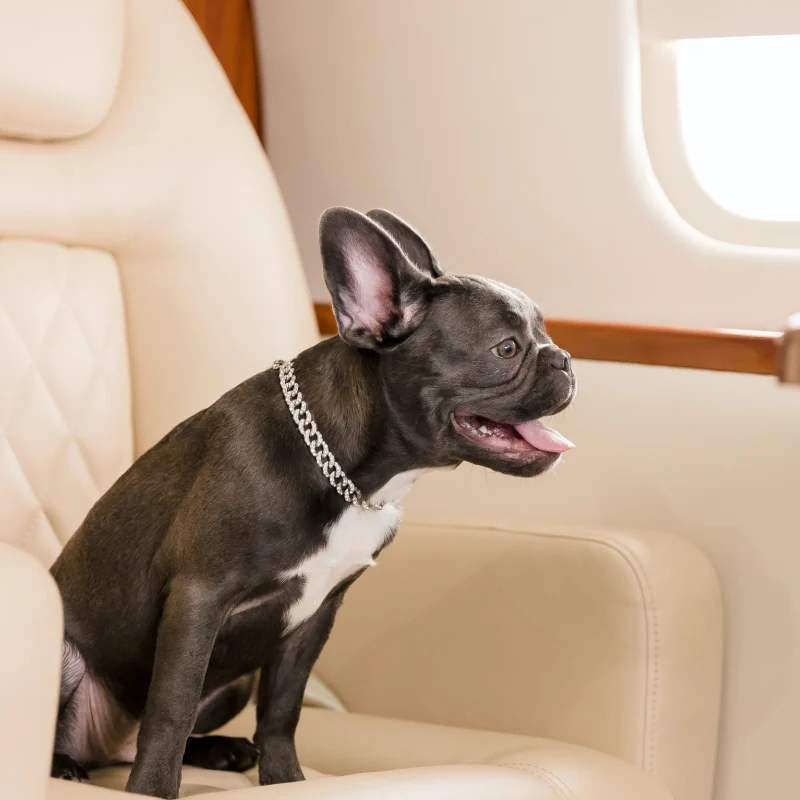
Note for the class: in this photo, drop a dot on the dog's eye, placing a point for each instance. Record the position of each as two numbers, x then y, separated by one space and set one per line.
506 349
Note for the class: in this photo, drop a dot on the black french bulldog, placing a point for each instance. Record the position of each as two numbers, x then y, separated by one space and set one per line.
225 549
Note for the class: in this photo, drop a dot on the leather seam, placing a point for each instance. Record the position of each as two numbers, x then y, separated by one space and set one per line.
652 666
550 778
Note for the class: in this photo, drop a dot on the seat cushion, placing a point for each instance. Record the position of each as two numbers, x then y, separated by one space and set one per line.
341 743
195 781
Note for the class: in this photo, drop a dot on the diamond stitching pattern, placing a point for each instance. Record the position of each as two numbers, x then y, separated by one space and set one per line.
65 414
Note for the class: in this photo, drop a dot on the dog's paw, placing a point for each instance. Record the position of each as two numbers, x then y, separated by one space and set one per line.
235 754
68 769
276 774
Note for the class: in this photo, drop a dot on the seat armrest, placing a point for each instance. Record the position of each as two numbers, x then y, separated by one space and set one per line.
30 670
606 639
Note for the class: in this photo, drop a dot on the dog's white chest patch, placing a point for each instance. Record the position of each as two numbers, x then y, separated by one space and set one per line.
352 539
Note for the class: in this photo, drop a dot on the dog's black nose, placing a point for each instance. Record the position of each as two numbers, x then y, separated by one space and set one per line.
557 358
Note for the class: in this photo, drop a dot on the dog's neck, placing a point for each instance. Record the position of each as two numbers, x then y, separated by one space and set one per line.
343 389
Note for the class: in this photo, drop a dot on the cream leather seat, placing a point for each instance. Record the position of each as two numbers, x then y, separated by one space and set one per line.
146 266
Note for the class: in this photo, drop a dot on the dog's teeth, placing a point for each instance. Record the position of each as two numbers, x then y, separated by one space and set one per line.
484 430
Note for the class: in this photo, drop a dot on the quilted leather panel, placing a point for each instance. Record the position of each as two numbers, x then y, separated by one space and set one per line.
65 408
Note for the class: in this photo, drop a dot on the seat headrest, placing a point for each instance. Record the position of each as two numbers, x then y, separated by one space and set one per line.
60 63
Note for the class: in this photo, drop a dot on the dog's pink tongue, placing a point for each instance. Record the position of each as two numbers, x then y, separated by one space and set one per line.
536 433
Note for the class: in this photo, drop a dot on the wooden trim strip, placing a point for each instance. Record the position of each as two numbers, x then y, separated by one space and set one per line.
228 27
326 321
753 352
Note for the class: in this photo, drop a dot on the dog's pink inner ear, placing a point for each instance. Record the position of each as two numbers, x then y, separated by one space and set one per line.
368 302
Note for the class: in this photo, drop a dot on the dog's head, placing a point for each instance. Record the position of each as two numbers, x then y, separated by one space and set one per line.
466 364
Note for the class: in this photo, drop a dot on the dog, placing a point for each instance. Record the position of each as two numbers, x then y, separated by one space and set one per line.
226 549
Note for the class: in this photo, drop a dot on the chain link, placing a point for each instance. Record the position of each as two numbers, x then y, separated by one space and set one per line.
314 441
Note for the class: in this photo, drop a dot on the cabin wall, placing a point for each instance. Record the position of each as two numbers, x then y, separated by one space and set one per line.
511 135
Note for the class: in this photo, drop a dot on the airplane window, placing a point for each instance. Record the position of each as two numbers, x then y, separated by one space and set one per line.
739 106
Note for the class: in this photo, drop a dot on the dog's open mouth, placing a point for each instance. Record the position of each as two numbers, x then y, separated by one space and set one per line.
512 440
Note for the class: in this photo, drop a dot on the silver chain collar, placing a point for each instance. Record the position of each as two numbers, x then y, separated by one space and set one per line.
316 444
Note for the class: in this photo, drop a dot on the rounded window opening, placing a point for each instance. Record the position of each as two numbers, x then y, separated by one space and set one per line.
739 107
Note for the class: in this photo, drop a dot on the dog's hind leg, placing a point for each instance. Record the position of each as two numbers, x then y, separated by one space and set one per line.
222 752
73 669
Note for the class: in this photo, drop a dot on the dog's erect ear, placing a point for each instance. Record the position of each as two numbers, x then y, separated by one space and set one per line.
414 246
379 296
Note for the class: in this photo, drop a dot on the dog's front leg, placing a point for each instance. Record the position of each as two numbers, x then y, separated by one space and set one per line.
189 624
280 695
